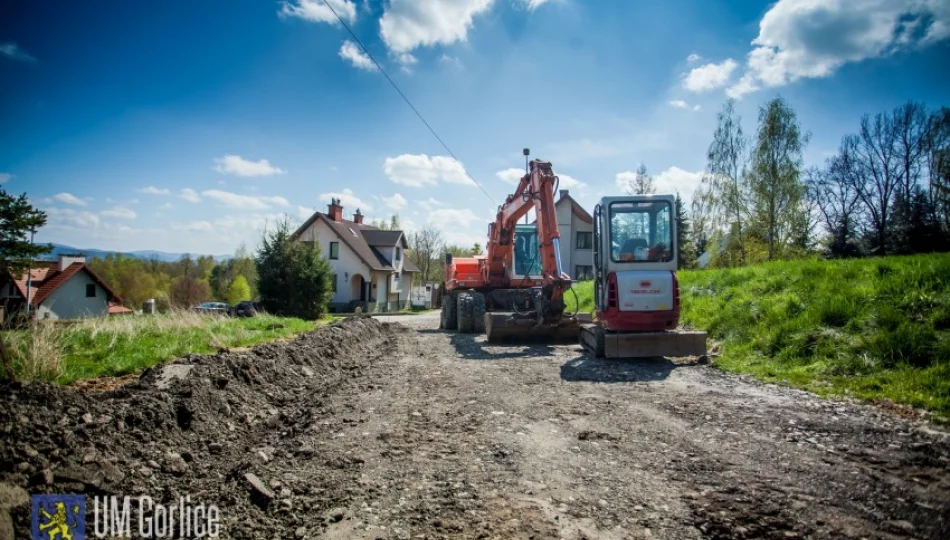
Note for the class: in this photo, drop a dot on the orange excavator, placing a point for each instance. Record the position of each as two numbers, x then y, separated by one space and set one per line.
517 288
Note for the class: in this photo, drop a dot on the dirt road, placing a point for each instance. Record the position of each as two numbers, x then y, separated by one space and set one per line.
403 431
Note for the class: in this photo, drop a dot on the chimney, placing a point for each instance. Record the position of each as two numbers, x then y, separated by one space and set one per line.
563 193
358 217
335 210
67 259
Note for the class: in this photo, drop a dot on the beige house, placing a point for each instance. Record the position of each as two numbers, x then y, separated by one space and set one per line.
62 289
369 264
577 237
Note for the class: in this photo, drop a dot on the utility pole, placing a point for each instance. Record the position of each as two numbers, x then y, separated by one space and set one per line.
29 275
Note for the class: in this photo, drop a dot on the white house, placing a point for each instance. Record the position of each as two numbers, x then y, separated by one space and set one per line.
63 289
369 264
577 237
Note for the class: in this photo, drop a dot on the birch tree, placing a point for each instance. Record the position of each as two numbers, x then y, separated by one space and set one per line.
725 181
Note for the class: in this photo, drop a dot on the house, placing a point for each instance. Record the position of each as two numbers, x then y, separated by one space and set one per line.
62 289
369 265
576 227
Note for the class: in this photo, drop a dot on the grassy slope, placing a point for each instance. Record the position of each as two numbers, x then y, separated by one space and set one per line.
120 345
872 328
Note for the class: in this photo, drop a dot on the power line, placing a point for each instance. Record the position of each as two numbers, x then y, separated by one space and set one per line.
406 99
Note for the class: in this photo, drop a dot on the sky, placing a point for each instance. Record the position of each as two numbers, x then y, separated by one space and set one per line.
192 126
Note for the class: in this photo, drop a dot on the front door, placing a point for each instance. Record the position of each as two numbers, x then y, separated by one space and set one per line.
362 289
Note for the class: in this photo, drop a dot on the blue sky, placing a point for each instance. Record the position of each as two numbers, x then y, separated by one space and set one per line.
188 126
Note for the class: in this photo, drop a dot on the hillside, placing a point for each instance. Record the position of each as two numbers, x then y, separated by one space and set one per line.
871 328
142 254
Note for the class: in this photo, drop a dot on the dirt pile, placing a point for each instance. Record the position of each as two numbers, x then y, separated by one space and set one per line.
208 426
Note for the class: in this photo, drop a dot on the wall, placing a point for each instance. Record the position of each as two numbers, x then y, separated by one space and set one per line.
348 262
580 256
69 300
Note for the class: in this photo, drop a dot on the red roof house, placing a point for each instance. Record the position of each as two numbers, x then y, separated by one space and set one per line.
63 289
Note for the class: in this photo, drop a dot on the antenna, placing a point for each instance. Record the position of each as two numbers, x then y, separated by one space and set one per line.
526 152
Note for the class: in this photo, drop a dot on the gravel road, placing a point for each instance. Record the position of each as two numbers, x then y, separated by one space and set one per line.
394 429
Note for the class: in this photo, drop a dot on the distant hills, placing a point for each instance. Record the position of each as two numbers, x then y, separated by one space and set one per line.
59 249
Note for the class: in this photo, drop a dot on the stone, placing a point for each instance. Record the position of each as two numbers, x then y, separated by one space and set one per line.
12 496
175 464
42 478
261 495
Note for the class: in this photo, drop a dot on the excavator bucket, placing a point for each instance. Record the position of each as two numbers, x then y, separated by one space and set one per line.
508 328
675 343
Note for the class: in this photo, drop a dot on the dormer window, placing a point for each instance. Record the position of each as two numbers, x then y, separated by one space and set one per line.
398 253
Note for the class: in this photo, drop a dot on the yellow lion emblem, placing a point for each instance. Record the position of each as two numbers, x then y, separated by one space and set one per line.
57 525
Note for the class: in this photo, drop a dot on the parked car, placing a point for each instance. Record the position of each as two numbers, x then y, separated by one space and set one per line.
220 308
246 308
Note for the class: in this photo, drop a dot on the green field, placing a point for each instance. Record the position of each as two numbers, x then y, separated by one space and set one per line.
65 352
870 328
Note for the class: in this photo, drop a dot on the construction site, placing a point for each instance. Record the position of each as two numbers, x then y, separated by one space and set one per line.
391 428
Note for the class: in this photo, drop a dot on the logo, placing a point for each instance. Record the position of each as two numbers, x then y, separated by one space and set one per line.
59 517
644 284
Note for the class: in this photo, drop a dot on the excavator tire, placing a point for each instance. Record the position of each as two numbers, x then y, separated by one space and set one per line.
449 312
479 309
466 313
593 338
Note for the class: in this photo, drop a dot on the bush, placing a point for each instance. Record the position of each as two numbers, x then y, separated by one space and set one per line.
294 280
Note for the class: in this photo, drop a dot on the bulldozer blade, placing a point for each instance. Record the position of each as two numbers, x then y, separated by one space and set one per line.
504 328
676 343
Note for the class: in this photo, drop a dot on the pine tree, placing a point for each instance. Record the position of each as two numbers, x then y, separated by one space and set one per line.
293 277
685 251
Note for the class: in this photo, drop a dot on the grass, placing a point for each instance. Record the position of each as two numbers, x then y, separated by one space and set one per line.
65 352
869 328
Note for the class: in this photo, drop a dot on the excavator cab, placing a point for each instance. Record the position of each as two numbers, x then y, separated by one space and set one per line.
636 293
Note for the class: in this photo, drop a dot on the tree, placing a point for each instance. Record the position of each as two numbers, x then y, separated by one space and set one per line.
293 277
187 292
18 221
685 254
873 157
641 183
391 225
726 182
239 290
700 229
838 206
477 249
426 247
777 190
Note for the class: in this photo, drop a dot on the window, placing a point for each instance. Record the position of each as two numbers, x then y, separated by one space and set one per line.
641 231
90 290
12 290
335 278
585 240
334 250
582 272
398 253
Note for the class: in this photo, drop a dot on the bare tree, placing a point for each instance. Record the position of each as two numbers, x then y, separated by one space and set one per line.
725 181
778 192
912 126
834 195
425 249
642 182
874 156
937 157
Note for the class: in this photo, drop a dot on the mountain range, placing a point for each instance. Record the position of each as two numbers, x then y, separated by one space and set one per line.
60 249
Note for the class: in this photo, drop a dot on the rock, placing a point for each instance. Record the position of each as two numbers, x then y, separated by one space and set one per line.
301 532
261 495
900 525
6 526
306 450
12 496
42 478
335 515
153 464
175 464
187 456
215 448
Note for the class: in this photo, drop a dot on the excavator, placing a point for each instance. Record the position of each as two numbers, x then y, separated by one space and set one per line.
516 291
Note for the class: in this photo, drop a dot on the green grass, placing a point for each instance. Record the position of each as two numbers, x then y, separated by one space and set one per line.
118 345
870 328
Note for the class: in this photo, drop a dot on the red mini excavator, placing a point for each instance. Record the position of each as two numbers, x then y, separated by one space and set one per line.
517 289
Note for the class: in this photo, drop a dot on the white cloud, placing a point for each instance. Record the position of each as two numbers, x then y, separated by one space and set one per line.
452 61
304 212
510 176
118 212
236 165
569 182
190 195
693 58
14 52
152 190
813 38
534 4
194 226
406 61
675 180
348 199
407 24
430 204
317 11
167 206
678 103
247 202
5 177
454 217
69 198
396 202
710 76
72 218
351 52
419 170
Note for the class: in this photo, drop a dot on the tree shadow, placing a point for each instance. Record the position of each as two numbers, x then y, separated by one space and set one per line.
587 368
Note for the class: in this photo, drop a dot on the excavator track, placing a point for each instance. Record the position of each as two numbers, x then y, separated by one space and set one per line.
675 343
508 328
